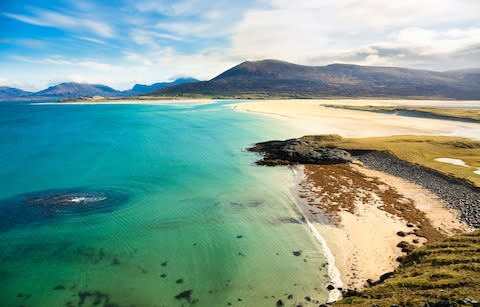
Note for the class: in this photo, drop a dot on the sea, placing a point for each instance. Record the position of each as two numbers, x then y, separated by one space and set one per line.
149 205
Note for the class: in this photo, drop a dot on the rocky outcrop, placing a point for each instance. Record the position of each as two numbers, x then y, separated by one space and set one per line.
299 151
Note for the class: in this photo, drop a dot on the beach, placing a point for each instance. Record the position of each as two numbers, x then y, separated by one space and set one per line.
310 117
370 218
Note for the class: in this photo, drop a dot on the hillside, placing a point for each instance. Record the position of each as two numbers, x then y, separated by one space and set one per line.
445 270
142 89
72 90
6 92
272 78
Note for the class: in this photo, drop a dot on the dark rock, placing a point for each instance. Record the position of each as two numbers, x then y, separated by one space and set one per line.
279 303
350 292
405 246
290 296
330 287
115 261
163 275
239 236
401 234
179 281
299 151
308 298
297 253
185 295
59 287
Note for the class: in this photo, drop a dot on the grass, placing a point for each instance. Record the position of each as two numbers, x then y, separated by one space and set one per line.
422 150
447 269
459 114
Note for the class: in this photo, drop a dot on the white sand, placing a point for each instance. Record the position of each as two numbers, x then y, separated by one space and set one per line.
364 244
452 161
309 117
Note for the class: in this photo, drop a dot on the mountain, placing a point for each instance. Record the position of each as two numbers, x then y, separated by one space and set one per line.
75 90
272 78
72 90
7 92
141 89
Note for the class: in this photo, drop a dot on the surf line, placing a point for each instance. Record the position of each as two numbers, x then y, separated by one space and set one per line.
332 271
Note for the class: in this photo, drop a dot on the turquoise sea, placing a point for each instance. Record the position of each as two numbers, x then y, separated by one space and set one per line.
148 205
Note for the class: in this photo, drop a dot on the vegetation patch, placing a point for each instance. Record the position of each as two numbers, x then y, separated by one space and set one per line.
444 270
421 150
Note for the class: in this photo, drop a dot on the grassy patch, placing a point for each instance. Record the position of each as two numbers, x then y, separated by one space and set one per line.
422 150
422 277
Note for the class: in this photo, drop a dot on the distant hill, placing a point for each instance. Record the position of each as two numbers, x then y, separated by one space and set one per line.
141 89
72 90
7 92
272 78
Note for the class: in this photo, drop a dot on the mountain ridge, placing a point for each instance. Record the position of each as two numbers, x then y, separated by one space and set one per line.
72 90
274 78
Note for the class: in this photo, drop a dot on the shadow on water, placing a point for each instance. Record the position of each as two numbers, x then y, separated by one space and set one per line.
41 207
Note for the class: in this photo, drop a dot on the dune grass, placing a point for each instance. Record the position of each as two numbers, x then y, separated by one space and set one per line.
422 150
447 269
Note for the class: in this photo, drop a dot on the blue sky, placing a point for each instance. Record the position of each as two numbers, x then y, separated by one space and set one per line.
120 43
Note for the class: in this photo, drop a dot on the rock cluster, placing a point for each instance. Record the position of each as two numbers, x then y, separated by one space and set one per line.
299 151
456 193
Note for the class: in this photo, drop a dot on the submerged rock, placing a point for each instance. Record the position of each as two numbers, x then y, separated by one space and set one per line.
299 151
49 205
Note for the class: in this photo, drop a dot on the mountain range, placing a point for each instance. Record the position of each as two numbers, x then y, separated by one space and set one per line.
70 90
272 78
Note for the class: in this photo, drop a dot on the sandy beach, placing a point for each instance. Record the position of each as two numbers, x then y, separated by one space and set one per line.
310 117
364 225
368 219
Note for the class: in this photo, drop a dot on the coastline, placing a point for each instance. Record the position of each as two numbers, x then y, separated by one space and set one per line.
363 244
133 101
311 117
367 240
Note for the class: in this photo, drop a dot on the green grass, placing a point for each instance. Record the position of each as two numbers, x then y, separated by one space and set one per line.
448 269
422 150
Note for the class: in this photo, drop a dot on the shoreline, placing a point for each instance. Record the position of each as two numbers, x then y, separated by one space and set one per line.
128 102
362 246
332 270
370 240
310 117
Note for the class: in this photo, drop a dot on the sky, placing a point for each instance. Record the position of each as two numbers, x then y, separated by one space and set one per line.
120 43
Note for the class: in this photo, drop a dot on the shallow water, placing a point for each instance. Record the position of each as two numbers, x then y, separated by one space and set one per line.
196 223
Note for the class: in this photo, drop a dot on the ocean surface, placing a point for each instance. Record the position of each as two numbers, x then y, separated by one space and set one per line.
148 205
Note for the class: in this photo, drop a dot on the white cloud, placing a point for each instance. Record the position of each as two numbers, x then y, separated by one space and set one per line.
61 61
151 38
53 19
92 40
314 32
